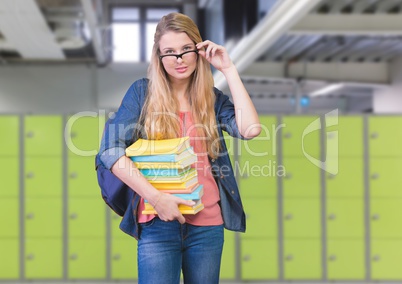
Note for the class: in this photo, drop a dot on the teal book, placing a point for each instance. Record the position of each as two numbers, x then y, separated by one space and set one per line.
163 157
164 171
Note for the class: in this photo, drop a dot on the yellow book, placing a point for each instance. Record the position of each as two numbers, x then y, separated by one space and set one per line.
180 185
158 147
188 160
193 210
173 179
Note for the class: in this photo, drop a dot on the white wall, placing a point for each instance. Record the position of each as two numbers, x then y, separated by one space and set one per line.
389 100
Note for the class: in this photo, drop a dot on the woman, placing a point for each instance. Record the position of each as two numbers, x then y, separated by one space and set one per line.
178 99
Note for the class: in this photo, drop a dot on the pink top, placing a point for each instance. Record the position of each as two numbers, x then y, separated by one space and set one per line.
211 214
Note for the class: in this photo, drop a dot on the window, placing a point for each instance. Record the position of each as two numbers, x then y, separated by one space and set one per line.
133 30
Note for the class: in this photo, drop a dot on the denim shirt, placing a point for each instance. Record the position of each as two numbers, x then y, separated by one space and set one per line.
120 132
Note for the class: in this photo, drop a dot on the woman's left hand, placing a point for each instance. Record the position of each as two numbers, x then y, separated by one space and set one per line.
215 54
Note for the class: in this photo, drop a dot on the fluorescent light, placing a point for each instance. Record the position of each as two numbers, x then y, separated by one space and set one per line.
327 89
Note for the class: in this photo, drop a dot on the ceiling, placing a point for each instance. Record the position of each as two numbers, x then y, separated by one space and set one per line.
316 42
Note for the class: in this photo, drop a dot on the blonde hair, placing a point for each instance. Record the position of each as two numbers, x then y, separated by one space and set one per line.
160 112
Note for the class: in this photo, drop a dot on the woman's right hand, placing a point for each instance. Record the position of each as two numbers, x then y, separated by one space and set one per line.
167 207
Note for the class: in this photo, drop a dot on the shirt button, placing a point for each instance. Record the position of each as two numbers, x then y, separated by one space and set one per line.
213 160
222 176
233 192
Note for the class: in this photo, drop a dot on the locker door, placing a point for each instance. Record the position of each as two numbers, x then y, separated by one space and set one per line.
43 217
9 218
302 218
385 177
259 259
261 216
43 177
82 180
385 215
86 217
301 136
302 259
228 263
84 135
301 179
115 223
9 127
346 259
384 137
9 176
386 259
124 258
87 258
43 258
9 258
258 177
349 182
345 218
43 135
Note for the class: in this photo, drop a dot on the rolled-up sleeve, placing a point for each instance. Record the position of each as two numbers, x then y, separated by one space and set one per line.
226 115
120 129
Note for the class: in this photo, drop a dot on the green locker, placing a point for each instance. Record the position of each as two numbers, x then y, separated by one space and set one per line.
302 218
9 259
10 128
346 259
258 177
43 217
115 223
9 176
261 217
9 218
385 215
43 135
43 258
86 217
345 138
301 136
87 258
386 258
385 139
302 259
349 181
124 258
345 218
43 177
83 135
228 263
82 180
259 259
385 177
301 179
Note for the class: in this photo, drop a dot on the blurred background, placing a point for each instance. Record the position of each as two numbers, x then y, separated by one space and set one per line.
321 185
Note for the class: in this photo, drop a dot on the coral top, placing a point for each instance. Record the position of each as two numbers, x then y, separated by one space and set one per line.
211 214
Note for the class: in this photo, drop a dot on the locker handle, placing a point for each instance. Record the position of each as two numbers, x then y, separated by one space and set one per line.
74 216
30 175
330 176
375 176
375 217
73 175
245 176
30 134
332 257
73 134
30 256
246 257
288 135
331 135
116 217
288 175
289 257
74 256
117 257
376 258
288 216
30 216
331 216
374 135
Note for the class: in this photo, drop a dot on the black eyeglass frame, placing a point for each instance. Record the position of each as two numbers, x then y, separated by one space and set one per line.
178 55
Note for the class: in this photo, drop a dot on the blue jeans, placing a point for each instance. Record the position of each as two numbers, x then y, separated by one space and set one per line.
166 248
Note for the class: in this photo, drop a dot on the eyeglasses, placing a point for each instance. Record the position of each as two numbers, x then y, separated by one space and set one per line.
185 56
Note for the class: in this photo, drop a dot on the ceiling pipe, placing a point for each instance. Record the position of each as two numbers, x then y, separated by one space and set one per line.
279 20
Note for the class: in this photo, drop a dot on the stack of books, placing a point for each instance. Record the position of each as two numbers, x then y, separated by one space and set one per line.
167 165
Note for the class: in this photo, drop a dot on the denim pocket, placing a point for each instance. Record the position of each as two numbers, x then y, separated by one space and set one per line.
147 224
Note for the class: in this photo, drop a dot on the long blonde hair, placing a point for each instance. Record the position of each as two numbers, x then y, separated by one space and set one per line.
161 108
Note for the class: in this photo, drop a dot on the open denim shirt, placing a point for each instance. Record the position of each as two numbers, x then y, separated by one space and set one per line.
119 134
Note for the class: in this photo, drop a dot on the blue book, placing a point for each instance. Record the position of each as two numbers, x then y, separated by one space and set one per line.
195 195
164 157
164 171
